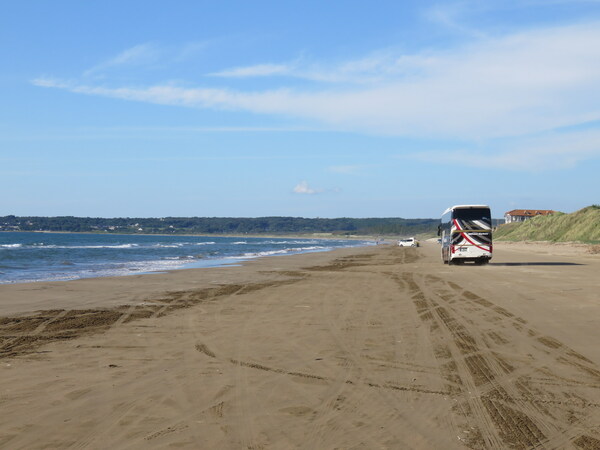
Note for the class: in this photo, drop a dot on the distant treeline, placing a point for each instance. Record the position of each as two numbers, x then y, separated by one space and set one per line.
223 225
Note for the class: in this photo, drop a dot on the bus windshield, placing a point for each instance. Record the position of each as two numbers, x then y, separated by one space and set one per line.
473 214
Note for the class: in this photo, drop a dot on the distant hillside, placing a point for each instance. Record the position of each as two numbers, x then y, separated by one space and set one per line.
223 225
580 226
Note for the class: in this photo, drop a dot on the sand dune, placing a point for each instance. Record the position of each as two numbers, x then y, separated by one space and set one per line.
379 347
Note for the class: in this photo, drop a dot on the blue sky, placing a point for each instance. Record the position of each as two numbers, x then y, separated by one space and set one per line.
307 108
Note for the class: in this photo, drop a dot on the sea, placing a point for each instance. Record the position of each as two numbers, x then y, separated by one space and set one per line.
30 257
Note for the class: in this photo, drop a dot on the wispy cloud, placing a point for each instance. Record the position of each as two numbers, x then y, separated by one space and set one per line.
377 67
258 70
450 15
464 17
305 189
190 50
347 169
137 55
148 54
520 84
551 152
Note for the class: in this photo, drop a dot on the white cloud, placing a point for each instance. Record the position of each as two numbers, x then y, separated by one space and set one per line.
523 84
304 188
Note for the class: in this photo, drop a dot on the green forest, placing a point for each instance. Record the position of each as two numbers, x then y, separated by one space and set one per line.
223 225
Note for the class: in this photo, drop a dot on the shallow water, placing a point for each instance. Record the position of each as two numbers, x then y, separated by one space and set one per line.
26 257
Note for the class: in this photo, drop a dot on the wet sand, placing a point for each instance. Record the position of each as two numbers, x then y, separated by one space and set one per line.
378 347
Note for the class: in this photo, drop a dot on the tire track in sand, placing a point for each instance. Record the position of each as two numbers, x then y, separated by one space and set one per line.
495 382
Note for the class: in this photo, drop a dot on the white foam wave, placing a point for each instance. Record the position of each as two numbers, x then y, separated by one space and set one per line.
117 246
50 277
11 245
107 246
157 265
117 270
294 242
250 255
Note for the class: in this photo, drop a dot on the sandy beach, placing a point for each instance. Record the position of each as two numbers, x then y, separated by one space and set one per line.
373 347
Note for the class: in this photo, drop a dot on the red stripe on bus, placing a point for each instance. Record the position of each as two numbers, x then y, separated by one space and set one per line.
464 235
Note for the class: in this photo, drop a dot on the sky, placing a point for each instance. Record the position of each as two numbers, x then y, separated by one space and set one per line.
298 108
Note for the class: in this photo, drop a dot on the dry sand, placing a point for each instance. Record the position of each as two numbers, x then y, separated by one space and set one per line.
379 347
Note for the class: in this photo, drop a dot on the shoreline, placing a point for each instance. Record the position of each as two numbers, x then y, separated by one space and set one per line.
17 298
225 254
144 300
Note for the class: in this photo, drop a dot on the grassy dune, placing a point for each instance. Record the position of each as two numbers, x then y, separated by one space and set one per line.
580 226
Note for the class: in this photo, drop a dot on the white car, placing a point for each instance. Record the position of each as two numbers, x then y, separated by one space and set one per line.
409 242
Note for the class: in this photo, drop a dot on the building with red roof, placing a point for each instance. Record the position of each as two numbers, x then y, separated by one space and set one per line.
521 215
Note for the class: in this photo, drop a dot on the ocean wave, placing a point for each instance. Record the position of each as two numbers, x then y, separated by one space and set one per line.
292 242
84 247
152 266
11 245
119 246
116 270
283 251
44 277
